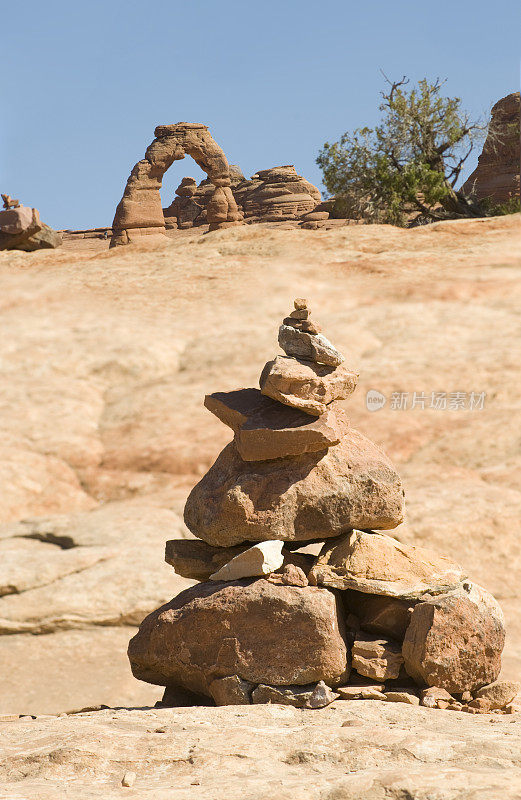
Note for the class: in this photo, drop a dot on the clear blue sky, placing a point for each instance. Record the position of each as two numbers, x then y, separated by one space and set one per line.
85 83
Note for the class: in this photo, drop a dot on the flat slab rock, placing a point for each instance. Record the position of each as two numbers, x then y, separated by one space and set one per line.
305 385
260 559
265 429
318 696
309 346
193 558
315 496
259 631
378 564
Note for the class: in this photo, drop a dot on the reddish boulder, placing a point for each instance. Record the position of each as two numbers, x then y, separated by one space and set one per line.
455 641
310 497
256 630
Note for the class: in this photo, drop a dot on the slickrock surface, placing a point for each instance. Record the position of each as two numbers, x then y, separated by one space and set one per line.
349 750
107 355
307 497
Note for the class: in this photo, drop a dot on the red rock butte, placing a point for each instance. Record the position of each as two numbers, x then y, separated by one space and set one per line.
497 174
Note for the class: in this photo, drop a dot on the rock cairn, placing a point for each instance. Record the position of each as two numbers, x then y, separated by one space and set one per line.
368 618
22 229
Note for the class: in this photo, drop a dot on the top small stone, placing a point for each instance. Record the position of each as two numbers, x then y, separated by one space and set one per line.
300 303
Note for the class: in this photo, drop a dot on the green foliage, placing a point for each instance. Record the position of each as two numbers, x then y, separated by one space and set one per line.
408 163
510 206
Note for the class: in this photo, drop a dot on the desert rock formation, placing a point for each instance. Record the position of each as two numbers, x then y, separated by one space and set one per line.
140 212
263 631
22 229
271 195
497 174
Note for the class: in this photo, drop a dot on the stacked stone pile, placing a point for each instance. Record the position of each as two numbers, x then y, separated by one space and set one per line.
22 229
268 622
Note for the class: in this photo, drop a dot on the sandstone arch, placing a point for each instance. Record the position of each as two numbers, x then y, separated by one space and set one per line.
140 210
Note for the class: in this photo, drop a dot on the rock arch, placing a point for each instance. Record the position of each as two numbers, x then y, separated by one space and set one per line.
140 210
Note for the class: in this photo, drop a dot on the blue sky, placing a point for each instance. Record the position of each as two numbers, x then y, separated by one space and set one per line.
84 84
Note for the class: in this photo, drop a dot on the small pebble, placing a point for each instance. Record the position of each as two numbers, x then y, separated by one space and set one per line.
300 302
129 779
352 723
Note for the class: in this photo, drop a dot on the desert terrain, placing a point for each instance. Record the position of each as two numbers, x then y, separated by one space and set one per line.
106 357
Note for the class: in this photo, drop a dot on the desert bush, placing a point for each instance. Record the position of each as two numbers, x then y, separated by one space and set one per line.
409 164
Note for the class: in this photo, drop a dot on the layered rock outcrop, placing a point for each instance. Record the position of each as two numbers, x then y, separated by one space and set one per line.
267 624
271 195
140 211
497 175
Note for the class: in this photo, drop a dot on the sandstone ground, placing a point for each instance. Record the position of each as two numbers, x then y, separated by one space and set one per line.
106 357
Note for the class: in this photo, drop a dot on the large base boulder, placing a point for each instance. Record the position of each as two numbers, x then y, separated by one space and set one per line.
310 497
256 630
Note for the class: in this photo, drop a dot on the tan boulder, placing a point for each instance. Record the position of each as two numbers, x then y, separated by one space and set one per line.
193 558
376 658
261 559
455 641
305 385
263 633
499 693
310 497
265 429
311 347
378 564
